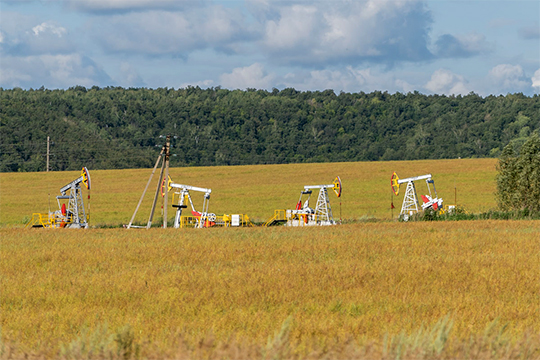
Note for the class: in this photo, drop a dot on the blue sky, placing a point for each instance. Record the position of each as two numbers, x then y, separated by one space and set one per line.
442 47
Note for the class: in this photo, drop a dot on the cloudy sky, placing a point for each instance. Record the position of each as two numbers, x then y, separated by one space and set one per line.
443 47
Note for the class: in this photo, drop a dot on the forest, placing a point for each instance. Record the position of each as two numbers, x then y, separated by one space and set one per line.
114 127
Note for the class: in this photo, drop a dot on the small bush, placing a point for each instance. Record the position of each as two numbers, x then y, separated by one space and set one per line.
126 348
458 214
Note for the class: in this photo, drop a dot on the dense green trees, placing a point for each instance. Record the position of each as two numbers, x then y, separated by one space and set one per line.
120 128
518 178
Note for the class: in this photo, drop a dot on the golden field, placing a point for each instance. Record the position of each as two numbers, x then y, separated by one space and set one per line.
255 190
363 290
353 282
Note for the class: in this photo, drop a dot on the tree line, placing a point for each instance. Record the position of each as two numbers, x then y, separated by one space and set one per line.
114 127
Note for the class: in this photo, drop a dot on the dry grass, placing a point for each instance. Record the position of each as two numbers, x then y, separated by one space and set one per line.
355 282
359 291
254 190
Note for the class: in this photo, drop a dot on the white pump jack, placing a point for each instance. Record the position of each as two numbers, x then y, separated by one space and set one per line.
183 192
70 213
322 214
75 212
410 200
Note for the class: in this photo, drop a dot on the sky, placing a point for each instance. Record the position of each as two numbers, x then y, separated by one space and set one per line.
434 47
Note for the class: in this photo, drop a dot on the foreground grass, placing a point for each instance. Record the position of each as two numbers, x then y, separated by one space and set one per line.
358 283
433 342
254 190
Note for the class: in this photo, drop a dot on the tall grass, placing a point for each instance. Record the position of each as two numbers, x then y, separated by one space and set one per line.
431 342
357 282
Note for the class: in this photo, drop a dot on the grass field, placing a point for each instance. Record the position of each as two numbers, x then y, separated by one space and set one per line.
254 190
356 281
383 289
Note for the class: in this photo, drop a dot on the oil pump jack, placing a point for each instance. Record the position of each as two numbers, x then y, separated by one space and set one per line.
201 219
410 200
71 212
303 214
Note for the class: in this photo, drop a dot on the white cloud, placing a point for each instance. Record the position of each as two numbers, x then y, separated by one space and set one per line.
12 77
475 43
344 45
171 33
508 78
446 82
253 76
203 84
321 80
51 71
129 5
501 80
349 80
25 35
297 27
48 27
319 33
404 87
536 80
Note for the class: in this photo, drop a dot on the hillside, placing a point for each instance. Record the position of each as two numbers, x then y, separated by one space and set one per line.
110 128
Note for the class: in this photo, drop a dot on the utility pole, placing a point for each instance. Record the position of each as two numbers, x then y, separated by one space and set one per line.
162 182
48 189
48 142
158 188
146 188
165 181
